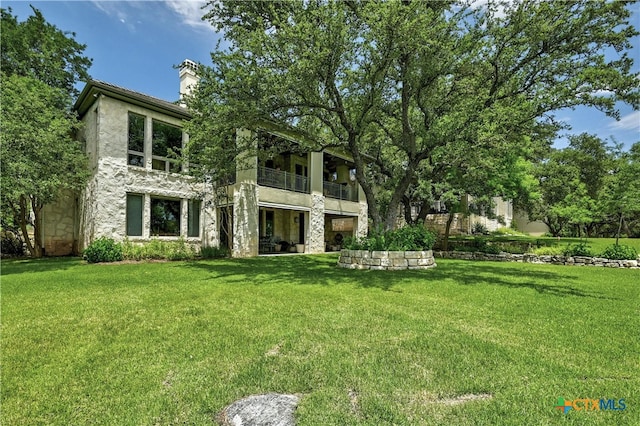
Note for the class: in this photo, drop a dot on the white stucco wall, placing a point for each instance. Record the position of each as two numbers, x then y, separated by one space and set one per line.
104 201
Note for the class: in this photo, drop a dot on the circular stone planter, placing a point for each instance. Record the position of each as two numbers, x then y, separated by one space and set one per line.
386 260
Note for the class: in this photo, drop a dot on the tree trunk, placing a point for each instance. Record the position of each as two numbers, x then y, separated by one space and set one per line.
23 214
619 228
447 229
37 228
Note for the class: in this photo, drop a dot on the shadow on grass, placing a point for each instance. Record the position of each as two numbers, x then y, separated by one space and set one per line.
322 270
45 264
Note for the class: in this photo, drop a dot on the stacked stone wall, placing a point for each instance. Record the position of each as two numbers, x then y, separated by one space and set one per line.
386 260
532 258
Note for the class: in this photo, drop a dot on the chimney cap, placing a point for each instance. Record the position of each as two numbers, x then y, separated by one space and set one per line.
189 64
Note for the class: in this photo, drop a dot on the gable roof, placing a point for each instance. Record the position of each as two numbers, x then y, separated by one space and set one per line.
94 88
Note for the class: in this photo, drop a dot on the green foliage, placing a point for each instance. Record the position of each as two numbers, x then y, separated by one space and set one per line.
11 244
443 97
212 252
103 250
157 249
40 159
578 249
620 252
479 228
549 251
508 232
408 238
42 51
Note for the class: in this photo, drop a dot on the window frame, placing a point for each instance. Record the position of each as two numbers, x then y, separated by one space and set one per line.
194 214
170 164
177 217
128 218
133 152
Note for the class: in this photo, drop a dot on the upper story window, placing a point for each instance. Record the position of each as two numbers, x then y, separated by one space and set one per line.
136 140
167 142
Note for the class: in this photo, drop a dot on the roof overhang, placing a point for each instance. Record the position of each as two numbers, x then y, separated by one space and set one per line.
94 88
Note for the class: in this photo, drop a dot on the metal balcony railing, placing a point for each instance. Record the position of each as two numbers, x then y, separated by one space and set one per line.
340 192
282 180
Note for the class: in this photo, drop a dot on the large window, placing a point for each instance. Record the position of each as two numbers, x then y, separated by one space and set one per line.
134 215
193 223
165 217
136 140
167 143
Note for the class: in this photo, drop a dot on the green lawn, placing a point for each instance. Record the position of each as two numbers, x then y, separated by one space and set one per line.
173 343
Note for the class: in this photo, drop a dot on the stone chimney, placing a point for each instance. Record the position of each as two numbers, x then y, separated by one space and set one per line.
188 78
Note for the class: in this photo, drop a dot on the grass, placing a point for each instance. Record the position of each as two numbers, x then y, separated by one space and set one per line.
175 342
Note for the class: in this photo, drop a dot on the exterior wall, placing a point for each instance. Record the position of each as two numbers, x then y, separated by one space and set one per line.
102 205
438 222
463 224
523 224
104 201
58 226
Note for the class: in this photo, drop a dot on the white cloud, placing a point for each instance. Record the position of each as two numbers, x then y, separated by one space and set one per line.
191 13
628 122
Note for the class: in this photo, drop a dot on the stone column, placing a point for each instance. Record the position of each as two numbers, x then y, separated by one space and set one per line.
363 220
245 220
246 216
316 214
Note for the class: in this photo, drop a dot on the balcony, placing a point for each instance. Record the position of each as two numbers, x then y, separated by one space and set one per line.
282 180
340 192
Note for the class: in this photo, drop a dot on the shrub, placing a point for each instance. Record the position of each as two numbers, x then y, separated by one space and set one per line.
579 249
620 252
103 250
209 252
11 244
159 250
408 238
479 228
549 251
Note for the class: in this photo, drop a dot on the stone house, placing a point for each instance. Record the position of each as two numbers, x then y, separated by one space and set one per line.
136 191
501 215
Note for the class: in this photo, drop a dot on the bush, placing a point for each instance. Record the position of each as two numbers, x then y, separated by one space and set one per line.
159 250
479 228
103 250
579 249
209 252
11 244
549 251
408 238
620 252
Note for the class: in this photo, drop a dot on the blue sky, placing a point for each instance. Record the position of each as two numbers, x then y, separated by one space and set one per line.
136 44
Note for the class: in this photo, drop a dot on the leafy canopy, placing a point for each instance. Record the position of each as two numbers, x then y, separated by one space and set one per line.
40 156
413 90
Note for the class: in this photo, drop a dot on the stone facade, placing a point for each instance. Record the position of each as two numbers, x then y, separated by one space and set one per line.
130 181
58 219
386 260
532 258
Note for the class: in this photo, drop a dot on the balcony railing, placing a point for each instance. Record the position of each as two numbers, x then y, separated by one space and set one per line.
282 180
341 192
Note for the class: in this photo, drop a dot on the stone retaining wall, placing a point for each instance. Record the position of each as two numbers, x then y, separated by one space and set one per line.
532 258
386 260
